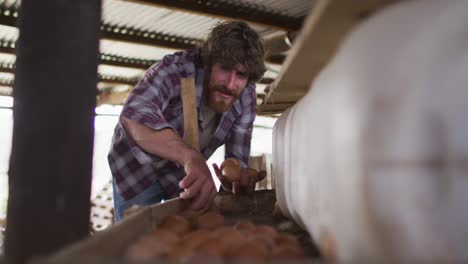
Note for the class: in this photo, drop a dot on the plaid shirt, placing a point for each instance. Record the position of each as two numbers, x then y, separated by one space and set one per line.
156 102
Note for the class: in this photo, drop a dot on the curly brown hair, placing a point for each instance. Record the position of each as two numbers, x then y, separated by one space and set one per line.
232 43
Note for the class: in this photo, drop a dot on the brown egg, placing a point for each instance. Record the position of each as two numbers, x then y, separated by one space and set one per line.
180 254
261 175
190 215
230 236
286 239
245 178
210 220
266 230
231 172
140 252
252 172
264 241
195 238
212 247
176 224
147 247
158 245
245 227
165 236
249 251
287 251
228 162
236 161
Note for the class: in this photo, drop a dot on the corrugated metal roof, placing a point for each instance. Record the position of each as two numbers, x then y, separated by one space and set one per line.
8 33
295 8
176 21
163 20
134 50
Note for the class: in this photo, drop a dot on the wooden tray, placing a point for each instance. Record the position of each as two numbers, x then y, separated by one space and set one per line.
108 246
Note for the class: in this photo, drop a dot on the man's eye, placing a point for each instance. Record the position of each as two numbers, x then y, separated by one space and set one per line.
242 75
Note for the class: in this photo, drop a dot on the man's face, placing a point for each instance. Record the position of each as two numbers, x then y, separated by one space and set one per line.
225 86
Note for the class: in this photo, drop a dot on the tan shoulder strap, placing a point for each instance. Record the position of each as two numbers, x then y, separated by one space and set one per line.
190 113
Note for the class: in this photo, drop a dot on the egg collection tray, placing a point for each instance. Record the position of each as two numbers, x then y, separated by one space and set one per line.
109 245
260 209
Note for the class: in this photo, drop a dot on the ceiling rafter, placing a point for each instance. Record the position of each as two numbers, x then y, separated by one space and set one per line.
253 13
8 46
271 108
134 35
117 79
121 61
9 15
9 67
6 82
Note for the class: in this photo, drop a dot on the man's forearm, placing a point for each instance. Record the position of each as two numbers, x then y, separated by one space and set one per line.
164 143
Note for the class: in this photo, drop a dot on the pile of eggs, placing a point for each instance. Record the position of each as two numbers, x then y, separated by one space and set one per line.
190 237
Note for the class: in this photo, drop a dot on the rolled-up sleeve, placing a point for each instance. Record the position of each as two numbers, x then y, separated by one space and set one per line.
147 102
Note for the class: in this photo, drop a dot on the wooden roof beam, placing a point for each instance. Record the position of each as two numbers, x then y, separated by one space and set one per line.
322 32
269 109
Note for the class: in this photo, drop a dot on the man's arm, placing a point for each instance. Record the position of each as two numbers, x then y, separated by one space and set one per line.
166 144
163 143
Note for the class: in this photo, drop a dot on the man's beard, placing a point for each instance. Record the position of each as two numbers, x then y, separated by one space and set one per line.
223 89
221 105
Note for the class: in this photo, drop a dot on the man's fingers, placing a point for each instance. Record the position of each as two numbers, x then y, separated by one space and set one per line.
227 186
192 190
217 170
188 180
202 198
252 183
210 201
235 187
261 175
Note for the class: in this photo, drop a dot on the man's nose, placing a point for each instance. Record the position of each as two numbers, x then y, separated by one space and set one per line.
231 81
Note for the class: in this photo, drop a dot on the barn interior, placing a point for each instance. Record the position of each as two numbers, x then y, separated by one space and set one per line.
53 158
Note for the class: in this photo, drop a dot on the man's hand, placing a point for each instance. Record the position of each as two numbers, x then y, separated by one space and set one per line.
226 184
198 184
248 180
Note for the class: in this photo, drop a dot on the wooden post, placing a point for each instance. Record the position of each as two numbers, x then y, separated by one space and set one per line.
54 100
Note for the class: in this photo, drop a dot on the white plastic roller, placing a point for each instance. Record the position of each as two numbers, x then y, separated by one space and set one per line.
373 161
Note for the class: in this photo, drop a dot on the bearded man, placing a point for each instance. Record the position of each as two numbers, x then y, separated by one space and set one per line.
149 160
